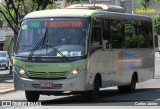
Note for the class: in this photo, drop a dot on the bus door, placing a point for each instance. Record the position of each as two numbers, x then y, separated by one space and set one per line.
100 61
108 55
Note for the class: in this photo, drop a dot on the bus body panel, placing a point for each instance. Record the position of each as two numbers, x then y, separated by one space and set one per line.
101 62
72 84
117 66
32 82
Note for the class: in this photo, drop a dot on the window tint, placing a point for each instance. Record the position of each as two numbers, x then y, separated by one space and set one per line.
150 34
106 34
117 33
96 39
122 33
130 34
144 34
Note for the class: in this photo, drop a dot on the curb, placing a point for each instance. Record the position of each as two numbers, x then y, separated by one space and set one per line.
7 91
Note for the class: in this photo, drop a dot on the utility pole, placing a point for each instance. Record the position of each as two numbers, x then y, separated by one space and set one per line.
116 2
132 7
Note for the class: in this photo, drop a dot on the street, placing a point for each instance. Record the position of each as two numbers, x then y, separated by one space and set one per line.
146 91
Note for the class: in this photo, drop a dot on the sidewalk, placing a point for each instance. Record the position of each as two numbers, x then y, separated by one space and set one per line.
157 54
6 80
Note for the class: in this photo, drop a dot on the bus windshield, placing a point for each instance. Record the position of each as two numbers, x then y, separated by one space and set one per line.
68 36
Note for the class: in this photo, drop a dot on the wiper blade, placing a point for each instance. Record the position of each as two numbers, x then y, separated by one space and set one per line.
59 52
37 44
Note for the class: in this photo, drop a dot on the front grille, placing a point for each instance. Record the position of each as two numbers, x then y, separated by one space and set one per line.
48 75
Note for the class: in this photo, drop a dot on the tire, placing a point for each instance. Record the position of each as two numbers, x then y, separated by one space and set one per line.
32 96
128 88
94 94
132 86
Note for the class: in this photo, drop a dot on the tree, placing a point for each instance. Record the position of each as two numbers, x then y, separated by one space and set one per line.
144 3
14 10
156 20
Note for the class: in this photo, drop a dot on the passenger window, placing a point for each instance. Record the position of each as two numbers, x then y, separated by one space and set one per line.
150 34
96 39
130 34
117 33
106 33
144 34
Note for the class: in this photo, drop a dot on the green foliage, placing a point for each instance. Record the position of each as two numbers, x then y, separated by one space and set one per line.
6 44
3 8
144 4
14 10
156 21
156 18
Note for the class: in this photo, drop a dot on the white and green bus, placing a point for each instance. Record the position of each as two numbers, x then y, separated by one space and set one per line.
81 51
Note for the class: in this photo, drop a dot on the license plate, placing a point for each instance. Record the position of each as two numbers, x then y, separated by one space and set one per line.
47 84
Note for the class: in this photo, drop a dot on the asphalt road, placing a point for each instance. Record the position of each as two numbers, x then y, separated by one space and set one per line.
146 91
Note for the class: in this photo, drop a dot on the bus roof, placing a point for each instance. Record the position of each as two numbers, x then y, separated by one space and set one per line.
60 13
104 7
83 13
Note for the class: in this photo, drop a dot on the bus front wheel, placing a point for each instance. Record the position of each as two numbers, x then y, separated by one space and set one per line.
32 96
94 94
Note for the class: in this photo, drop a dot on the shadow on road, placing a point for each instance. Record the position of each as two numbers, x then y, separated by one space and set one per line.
111 97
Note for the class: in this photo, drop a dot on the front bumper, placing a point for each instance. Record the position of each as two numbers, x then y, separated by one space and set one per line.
78 83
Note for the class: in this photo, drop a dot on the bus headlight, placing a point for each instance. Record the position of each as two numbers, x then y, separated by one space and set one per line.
74 72
20 71
77 70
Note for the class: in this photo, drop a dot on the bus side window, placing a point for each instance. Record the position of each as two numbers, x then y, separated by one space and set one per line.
96 39
130 34
106 33
144 34
150 34
117 34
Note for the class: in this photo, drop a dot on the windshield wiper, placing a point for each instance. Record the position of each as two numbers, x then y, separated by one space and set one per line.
59 52
37 44
39 41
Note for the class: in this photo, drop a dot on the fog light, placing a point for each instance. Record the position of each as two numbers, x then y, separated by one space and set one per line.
71 84
22 72
74 72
